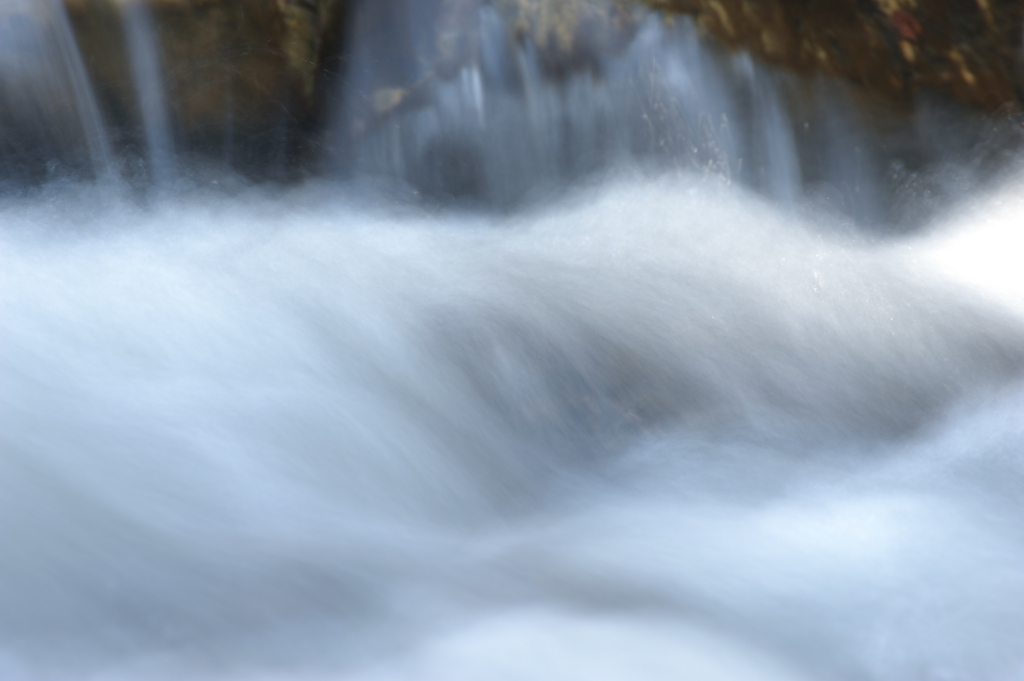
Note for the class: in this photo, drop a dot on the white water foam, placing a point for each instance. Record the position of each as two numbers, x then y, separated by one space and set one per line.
657 430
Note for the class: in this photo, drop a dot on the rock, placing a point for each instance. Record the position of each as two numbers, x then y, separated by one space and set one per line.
967 50
245 70
249 80
570 34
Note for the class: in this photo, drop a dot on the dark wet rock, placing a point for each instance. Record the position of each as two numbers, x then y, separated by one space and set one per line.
450 169
967 50
243 79
571 34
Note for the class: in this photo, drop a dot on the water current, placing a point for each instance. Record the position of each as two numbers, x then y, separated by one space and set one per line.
676 419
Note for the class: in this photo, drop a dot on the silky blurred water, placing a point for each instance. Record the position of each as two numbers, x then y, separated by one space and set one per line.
670 367
657 428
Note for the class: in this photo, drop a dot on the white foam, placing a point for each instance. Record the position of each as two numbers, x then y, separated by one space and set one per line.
659 428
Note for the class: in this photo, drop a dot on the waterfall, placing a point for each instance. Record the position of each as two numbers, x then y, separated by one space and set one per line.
147 76
501 127
779 172
646 362
85 99
41 68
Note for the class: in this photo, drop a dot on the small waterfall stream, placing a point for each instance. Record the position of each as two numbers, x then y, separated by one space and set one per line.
501 127
41 69
668 365
147 77
100 151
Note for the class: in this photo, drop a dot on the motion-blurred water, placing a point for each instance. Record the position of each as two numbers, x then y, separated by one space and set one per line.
657 429
659 426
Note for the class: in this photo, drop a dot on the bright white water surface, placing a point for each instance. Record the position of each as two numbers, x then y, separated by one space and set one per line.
656 430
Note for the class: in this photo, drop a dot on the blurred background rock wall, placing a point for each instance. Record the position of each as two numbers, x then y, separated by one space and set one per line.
255 82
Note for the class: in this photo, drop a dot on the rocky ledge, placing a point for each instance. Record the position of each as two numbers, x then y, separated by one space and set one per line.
261 72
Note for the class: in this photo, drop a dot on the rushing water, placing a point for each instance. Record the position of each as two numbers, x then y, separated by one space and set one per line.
669 423
47 103
147 76
503 128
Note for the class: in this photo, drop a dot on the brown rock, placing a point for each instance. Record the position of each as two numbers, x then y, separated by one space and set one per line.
253 70
239 67
967 50
570 33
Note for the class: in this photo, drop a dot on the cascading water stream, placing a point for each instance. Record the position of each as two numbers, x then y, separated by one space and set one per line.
779 173
688 404
147 76
502 127
40 65
100 150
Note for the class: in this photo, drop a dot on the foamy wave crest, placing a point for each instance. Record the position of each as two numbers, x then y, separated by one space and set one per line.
656 430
